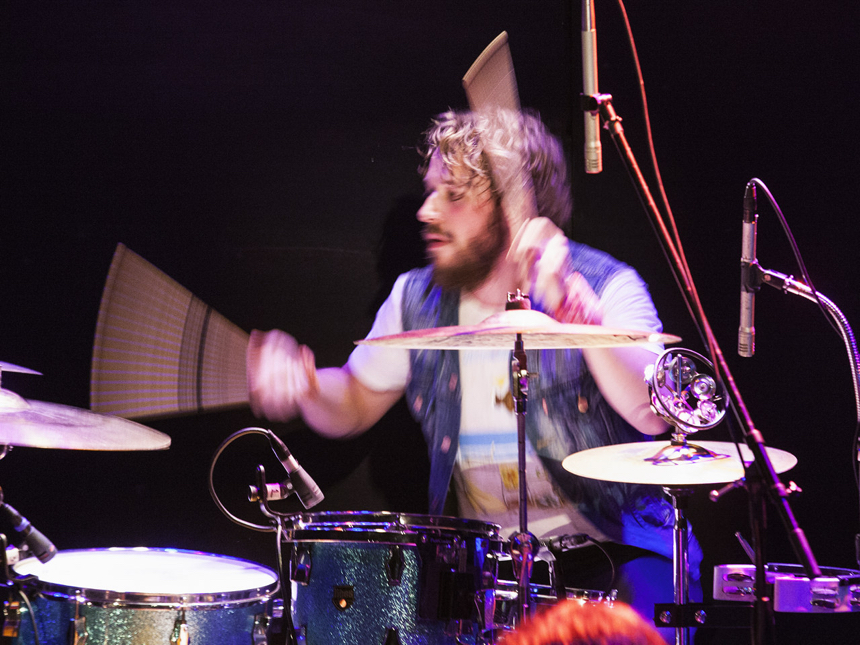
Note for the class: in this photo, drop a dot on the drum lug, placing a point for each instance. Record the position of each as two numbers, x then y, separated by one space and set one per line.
261 625
395 564
391 637
11 618
79 631
300 565
180 634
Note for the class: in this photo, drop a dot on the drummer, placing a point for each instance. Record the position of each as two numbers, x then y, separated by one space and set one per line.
482 243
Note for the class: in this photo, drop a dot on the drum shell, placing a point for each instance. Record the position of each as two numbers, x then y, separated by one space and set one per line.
358 576
123 615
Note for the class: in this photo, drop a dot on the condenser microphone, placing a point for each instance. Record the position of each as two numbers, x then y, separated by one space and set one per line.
749 283
31 538
306 488
593 156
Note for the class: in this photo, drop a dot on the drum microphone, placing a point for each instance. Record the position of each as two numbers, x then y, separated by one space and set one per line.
31 538
749 275
566 542
305 487
593 158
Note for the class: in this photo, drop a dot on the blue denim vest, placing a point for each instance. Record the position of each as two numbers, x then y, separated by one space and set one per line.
566 413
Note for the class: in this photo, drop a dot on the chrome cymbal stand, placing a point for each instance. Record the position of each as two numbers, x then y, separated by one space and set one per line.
523 545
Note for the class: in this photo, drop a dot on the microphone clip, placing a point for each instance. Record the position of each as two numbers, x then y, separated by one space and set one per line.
752 276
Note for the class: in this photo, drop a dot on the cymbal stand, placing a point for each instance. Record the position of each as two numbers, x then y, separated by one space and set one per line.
680 552
523 545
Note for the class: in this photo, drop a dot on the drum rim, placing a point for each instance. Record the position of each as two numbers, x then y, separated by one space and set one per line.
382 527
139 599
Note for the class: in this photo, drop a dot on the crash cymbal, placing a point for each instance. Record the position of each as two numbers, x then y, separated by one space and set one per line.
499 331
49 425
9 367
634 463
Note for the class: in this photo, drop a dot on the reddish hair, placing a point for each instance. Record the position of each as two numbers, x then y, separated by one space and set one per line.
573 623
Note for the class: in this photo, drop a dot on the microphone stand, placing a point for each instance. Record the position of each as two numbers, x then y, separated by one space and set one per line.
775 490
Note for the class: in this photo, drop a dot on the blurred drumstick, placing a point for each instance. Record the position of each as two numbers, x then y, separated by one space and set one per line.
491 83
159 350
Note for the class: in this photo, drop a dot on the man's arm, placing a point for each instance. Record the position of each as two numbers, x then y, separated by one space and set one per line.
619 373
343 406
283 381
542 250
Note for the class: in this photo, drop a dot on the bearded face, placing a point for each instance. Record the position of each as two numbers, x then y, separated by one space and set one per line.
464 229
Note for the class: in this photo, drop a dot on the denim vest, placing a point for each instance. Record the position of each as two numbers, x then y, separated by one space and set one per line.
566 413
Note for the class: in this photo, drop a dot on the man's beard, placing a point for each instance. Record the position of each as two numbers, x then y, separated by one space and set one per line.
475 263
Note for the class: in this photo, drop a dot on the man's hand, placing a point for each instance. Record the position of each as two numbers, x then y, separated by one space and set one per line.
281 373
541 251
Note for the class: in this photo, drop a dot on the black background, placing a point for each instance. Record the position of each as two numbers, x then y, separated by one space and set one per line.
263 155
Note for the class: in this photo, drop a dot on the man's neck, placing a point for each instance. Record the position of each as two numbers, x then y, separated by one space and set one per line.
493 291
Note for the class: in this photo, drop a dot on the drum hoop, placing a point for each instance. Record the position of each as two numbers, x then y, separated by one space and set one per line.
152 600
383 527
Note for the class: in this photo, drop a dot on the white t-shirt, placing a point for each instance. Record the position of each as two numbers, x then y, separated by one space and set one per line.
486 470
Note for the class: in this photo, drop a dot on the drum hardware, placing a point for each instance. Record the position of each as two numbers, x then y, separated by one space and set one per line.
260 633
391 637
343 597
11 619
180 630
79 627
300 565
836 591
395 564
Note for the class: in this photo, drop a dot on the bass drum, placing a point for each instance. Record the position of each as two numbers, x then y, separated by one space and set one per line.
388 578
139 596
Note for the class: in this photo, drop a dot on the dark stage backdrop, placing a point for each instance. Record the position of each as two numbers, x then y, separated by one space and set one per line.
263 155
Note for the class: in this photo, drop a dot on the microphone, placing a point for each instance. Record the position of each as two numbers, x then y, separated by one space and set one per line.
32 538
749 285
306 488
566 542
593 158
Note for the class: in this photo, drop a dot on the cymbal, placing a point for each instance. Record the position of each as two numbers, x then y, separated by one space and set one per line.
500 330
9 367
629 463
49 425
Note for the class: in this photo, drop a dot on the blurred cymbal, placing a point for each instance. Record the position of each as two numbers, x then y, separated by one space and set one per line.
499 331
633 463
9 367
48 425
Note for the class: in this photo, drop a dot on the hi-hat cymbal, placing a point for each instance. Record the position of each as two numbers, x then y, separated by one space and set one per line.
631 463
499 331
49 425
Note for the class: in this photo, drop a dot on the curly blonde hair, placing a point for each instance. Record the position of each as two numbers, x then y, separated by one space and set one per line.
492 150
573 623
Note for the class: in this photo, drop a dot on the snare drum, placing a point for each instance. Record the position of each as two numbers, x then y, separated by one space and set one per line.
380 578
139 596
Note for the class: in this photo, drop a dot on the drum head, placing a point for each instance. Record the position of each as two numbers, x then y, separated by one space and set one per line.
148 577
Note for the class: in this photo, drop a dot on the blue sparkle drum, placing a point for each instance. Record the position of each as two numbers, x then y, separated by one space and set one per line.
389 578
140 596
